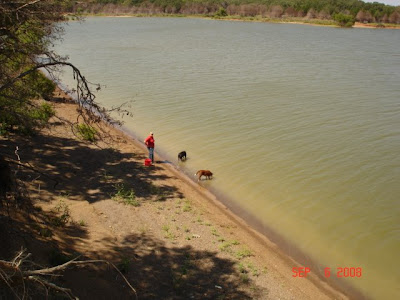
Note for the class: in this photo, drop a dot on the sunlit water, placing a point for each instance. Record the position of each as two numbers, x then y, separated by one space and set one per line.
300 124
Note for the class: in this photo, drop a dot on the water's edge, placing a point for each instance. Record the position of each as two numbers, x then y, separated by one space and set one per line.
287 249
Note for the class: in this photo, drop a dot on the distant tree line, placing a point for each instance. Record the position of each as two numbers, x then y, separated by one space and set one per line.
309 9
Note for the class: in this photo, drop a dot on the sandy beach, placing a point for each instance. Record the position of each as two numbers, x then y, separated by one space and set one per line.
170 237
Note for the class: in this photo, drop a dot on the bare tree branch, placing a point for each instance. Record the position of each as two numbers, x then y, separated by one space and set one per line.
38 66
56 182
12 272
27 4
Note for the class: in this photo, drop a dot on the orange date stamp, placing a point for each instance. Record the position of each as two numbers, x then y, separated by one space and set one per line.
352 272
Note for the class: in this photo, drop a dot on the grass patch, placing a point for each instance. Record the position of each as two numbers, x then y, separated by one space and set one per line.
244 278
167 233
180 274
247 268
62 214
123 266
178 204
215 232
143 229
243 253
187 206
242 268
161 197
125 195
226 247
45 232
253 269
106 177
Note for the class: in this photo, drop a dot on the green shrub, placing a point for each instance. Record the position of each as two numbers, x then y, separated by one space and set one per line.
17 110
3 128
86 132
221 12
344 20
42 87
62 214
24 119
43 113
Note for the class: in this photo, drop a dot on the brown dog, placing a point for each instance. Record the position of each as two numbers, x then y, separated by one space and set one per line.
208 174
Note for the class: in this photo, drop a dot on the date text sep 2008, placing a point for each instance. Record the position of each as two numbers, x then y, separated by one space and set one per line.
328 272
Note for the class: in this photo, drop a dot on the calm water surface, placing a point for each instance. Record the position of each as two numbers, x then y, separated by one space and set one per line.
300 124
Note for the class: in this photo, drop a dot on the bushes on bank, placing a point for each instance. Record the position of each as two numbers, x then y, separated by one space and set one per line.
18 113
344 20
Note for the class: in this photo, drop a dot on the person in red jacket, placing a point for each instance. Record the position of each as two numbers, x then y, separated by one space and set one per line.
149 141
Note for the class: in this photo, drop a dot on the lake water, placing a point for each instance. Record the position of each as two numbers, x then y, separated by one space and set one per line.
300 124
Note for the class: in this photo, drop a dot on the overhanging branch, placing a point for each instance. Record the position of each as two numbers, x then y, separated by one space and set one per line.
38 66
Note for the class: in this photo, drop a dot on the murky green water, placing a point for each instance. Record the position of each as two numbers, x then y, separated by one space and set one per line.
300 124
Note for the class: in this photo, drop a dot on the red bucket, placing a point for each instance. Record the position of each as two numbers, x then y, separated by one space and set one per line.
147 162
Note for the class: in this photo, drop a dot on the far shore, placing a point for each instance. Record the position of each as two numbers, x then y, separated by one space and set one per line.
300 21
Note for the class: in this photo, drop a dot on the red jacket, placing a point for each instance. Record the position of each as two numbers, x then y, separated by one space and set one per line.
149 141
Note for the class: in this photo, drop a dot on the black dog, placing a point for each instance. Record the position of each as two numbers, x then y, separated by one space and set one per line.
182 156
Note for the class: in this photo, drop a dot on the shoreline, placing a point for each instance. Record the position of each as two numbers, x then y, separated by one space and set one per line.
173 215
312 22
284 249
268 252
